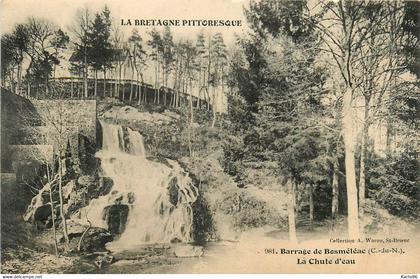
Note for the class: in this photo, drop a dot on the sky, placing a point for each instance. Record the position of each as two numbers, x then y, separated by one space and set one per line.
62 12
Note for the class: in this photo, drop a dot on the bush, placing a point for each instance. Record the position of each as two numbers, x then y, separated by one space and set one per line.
247 212
394 185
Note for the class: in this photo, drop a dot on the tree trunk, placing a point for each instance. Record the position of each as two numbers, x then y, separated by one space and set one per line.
79 244
163 82
52 212
311 206
78 89
46 86
60 193
334 203
362 175
191 132
139 93
198 99
104 95
96 83
156 77
291 204
213 123
157 87
388 140
131 86
19 78
208 98
348 136
117 87
71 88
85 74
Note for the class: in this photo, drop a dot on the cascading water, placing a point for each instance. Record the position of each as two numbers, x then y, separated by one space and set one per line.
158 196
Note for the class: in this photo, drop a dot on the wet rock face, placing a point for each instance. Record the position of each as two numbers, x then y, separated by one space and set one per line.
173 189
116 217
94 186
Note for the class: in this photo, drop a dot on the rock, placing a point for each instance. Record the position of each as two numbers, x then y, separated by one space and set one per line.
68 189
40 200
173 189
133 114
105 185
188 251
86 181
42 213
163 246
116 217
96 239
131 197
102 261
76 201
126 262
74 227
73 230
95 187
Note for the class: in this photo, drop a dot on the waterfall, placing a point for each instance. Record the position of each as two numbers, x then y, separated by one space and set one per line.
158 196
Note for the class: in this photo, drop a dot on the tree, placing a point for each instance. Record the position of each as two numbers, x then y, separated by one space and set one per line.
100 51
59 43
9 62
14 47
359 24
286 104
217 75
118 42
190 67
41 42
201 53
282 84
346 31
167 58
137 61
155 43
380 64
80 29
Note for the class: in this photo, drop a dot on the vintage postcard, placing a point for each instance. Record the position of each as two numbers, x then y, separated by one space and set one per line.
210 136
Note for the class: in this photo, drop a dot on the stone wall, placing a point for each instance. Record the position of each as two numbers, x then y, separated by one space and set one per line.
33 130
17 114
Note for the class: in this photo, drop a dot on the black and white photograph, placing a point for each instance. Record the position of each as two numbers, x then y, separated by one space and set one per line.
209 137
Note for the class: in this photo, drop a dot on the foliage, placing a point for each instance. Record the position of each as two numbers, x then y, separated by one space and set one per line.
248 212
393 183
411 26
100 51
41 41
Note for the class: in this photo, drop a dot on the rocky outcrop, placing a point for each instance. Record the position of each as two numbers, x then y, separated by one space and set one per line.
133 114
94 239
187 251
116 217
39 210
